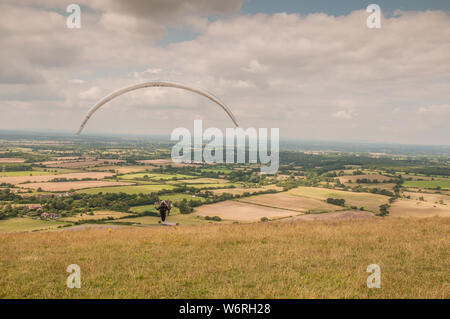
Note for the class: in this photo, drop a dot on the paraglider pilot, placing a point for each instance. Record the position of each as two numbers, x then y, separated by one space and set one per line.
164 208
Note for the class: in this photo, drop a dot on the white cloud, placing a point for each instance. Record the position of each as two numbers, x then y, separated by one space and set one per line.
439 110
281 70
346 114
91 94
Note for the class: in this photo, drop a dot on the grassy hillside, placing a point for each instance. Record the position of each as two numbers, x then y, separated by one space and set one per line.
261 260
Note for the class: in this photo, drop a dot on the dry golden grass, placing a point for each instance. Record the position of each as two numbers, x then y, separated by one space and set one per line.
432 205
366 200
347 214
290 202
320 259
11 160
239 211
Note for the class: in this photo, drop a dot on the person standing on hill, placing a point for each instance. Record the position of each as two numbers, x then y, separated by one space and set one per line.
164 208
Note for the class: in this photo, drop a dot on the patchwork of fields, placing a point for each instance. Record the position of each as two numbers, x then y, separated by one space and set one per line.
127 189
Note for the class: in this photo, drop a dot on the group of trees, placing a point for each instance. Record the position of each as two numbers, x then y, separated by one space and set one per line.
336 201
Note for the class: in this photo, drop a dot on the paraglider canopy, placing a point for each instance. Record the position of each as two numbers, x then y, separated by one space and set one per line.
117 93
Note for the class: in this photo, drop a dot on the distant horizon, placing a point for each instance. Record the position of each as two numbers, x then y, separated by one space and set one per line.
166 138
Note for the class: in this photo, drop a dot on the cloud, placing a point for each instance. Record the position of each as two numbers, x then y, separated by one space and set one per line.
346 114
299 73
443 109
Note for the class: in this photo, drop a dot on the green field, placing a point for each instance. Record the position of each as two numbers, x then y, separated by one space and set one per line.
368 201
443 184
217 170
25 173
127 189
38 172
215 185
19 224
178 196
154 176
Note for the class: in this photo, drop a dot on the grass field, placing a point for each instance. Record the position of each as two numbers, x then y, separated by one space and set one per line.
144 208
240 191
127 189
67 186
19 224
263 260
366 200
100 214
217 170
202 180
48 177
182 219
421 205
443 184
240 211
25 173
155 176
215 185
178 196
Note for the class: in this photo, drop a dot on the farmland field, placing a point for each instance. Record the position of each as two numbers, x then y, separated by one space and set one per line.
19 224
239 211
154 176
421 205
67 186
127 189
100 214
240 191
25 173
177 197
290 202
48 177
11 160
443 184
203 180
366 200
215 185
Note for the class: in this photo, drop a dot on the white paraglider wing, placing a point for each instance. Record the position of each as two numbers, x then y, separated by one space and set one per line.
117 93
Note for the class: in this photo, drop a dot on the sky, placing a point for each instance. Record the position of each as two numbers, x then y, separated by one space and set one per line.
311 68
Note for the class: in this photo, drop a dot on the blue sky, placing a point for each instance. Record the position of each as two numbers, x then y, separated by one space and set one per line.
336 7
305 7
